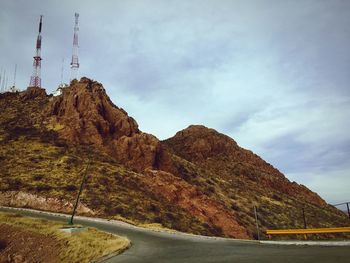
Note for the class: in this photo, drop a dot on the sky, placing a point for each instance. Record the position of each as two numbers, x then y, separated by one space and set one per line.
273 75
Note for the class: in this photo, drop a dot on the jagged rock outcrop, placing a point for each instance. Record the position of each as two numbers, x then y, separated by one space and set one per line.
85 115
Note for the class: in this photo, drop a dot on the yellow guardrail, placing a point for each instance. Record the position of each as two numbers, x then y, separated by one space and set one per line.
308 231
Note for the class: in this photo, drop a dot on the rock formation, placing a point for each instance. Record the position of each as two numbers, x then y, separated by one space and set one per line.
198 181
86 115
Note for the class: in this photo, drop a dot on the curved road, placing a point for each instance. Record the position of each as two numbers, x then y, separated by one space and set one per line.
149 246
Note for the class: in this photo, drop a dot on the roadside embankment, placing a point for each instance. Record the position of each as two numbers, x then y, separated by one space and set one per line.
38 240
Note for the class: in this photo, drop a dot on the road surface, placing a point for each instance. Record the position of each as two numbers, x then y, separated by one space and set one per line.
149 246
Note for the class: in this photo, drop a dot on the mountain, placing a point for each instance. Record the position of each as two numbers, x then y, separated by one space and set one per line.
199 181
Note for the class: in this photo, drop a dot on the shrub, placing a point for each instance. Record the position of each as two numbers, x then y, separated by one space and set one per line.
154 208
170 216
38 177
234 207
3 244
119 210
277 197
15 184
71 188
157 220
217 231
43 187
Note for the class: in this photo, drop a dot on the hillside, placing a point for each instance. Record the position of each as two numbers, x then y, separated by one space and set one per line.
198 181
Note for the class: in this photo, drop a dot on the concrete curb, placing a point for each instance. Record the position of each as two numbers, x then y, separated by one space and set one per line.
309 243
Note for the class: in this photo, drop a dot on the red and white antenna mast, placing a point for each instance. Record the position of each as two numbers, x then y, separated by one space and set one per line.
75 62
35 79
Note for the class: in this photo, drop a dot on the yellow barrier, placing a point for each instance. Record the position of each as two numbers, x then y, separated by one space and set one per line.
308 231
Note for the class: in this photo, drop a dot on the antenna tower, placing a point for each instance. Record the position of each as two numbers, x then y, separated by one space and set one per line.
14 76
62 68
35 79
75 62
0 80
3 84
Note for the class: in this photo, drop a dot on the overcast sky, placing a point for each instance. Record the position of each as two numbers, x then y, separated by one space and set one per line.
274 75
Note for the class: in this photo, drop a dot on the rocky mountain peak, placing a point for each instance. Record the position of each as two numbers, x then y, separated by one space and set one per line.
87 114
84 114
198 142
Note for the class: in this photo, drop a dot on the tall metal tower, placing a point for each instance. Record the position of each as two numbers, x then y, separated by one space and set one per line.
0 81
13 88
75 62
62 69
3 81
35 79
14 76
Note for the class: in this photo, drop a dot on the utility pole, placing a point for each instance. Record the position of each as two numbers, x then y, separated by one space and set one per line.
35 79
256 222
303 211
347 206
75 61
80 191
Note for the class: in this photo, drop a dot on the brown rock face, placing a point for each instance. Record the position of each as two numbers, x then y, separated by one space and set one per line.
199 143
33 92
88 115
22 199
84 114
186 196
221 155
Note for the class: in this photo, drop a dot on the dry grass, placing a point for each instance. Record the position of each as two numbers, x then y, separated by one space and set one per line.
80 247
157 227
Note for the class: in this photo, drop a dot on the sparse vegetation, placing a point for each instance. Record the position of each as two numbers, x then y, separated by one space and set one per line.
225 179
34 159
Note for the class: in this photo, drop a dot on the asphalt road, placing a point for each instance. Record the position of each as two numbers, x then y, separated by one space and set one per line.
150 246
